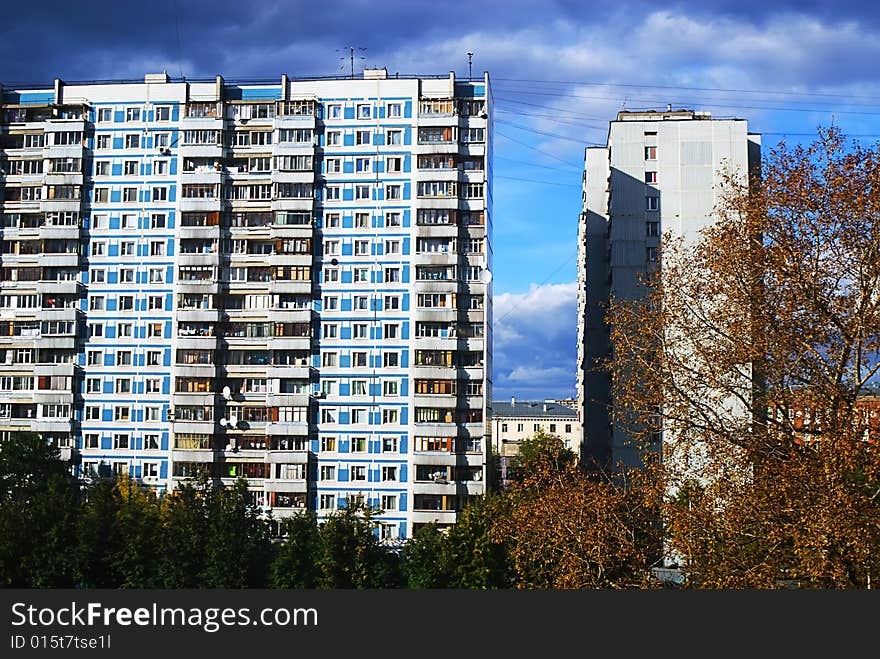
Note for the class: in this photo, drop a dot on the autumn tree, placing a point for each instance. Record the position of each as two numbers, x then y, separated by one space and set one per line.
566 528
751 350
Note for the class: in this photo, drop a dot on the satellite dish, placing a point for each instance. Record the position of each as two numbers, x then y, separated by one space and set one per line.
227 392
233 421
487 276
334 261
223 422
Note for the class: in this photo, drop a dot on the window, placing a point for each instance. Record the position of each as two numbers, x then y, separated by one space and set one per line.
159 193
157 248
650 177
129 221
361 247
123 358
332 165
330 330
360 302
652 203
394 137
154 357
124 330
395 110
362 137
96 303
132 141
389 445
328 415
653 254
653 228
362 165
105 114
391 330
334 137
359 331
358 416
163 113
121 413
331 303
91 440
392 302
358 387
331 275
120 441
650 153
390 416
328 444
364 111
390 388
102 195
133 114
152 385
392 274
392 219
157 221
333 193
394 164
359 359
93 412
361 276
130 168
126 303
567 427
126 248
328 473
393 191
334 111
152 414
103 142
96 330
358 444
392 247
361 192
390 360
361 220
389 473
331 220
126 275
359 473
328 359
161 140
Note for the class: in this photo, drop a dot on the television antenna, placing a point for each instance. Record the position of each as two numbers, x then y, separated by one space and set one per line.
351 50
470 65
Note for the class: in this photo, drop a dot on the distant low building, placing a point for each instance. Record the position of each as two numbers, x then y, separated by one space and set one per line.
515 421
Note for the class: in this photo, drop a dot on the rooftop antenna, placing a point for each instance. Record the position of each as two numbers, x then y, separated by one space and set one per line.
350 50
470 65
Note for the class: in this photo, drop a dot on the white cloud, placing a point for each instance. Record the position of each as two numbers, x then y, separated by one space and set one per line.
535 348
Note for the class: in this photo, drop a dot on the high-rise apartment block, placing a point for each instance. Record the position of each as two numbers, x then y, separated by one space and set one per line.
284 281
659 173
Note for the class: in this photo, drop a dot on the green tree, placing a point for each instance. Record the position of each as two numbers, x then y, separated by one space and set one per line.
426 559
182 538
478 560
295 563
238 548
39 503
351 555
97 537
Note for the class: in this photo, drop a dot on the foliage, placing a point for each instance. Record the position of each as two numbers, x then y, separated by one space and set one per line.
564 528
38 507
351 555
752 349
295 562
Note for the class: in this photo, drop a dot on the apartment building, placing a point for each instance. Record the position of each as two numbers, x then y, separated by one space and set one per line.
659 173
284 281
513 421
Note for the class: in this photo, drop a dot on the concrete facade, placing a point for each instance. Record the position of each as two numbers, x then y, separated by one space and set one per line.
659 173
287 281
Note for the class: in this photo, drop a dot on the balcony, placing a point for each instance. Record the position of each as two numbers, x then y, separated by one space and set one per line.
59 260
60 286
201 315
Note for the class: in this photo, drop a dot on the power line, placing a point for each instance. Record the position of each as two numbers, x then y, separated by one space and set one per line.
544 132
531 180
497 321
708 104
534 148
684 88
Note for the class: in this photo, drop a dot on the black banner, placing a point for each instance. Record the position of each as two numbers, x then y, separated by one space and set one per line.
432 622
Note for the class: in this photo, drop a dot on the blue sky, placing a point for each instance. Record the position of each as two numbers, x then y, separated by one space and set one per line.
560 71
